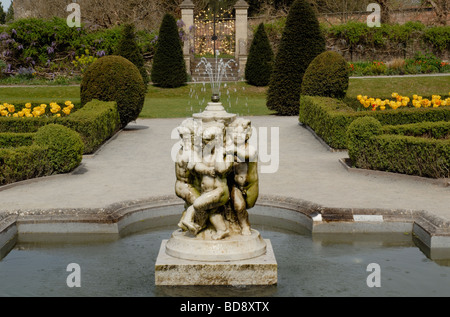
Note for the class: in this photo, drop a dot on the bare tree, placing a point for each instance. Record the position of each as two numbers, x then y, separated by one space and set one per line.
440 8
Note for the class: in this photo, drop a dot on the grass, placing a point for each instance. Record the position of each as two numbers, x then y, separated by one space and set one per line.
238 98
405 86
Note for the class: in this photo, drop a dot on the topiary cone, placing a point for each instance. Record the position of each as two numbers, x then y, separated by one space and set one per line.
326 76
301 42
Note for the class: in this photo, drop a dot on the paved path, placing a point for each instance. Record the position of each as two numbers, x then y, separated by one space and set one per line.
137 164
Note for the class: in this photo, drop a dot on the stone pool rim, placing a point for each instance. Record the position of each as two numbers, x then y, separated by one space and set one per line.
432 231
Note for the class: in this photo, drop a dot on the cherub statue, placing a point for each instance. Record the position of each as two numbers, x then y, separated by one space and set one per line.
245 187
213 171
186 184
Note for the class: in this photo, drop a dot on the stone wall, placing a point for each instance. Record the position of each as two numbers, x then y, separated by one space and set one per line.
40 8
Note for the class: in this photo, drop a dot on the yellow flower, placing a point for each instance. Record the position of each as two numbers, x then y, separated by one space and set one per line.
66 110
55 109
425 102
4 113
15 115
11 108
28 105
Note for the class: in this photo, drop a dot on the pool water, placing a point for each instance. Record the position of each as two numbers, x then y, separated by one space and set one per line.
307 266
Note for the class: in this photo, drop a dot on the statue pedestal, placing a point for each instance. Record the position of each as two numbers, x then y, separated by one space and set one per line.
172 271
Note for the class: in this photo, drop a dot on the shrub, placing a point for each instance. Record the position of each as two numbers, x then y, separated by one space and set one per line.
14 140
420 156
96 122
114 78
64 147
326 76
128 48
23 163
359 133
434 130
438 37
301 42
330 118
36 41
169 67
260 59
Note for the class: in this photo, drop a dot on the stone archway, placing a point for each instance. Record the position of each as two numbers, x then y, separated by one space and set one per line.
240 33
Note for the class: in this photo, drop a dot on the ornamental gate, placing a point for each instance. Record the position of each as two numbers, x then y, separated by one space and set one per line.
225 31
214 34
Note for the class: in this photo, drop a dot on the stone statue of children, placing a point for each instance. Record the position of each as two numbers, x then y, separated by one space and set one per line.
186 186
245 188
213 171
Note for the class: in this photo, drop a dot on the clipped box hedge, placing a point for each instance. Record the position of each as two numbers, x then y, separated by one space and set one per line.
55 149
36 147
21 163
13 140
408 149
330 118
96 122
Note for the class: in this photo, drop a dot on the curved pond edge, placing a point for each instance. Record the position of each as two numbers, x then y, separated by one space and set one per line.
431 231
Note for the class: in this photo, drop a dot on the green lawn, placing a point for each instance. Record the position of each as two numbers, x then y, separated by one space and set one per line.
406 86
238 98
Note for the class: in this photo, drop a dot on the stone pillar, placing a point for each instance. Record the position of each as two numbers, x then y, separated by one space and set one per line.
241 8
187 15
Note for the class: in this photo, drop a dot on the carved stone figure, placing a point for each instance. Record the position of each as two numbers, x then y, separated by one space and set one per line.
218 179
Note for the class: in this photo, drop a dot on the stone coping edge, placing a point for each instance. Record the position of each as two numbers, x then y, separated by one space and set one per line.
431 230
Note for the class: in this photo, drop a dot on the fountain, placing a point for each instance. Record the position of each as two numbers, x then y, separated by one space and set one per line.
217 177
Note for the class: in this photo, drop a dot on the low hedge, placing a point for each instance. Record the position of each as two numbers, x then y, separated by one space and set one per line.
23 163
14 140
330 118
420 156
64 147
96 122
434 130
55 149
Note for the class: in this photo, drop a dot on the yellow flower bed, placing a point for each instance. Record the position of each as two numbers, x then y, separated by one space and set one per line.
54 109
403 101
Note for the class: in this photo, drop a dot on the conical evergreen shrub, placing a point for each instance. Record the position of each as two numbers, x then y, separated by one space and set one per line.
326 76
127 47
260 59
169 68
301 42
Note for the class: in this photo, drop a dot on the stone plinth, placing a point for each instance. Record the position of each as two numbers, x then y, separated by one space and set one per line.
184 245
172 271
215 112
